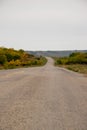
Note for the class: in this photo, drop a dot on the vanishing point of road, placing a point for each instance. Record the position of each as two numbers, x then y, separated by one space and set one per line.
43 98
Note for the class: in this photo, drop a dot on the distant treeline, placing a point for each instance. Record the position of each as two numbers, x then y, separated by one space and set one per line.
74 58
61 53
10 58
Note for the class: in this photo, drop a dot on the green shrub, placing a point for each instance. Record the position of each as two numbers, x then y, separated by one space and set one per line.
17 62
59 61
10 58
74 58
3 59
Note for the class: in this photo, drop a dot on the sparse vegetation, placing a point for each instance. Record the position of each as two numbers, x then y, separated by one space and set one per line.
76 61
10 58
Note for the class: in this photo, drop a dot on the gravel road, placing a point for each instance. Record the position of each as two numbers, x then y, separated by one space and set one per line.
43 98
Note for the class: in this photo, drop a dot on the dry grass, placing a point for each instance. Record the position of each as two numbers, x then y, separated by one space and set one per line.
77 68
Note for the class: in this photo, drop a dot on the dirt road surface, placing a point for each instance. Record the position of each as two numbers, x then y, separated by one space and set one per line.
43 98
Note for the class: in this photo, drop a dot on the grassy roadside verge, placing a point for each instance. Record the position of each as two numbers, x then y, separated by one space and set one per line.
11 59
76 62
42 62
31 63
76 68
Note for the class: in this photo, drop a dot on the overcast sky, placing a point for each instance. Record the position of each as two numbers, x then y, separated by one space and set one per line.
43 24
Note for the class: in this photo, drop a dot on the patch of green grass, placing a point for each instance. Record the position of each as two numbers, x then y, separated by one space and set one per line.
76 62
77 68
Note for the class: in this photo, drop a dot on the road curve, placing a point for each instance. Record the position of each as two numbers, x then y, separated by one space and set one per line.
43 98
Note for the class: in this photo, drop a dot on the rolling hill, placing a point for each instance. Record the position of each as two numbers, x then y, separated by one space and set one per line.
54 53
